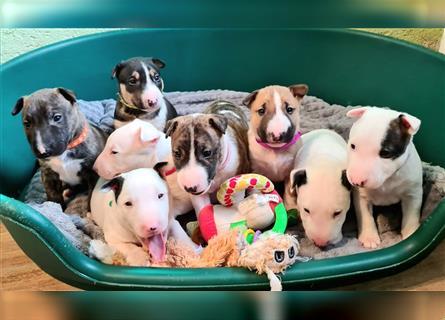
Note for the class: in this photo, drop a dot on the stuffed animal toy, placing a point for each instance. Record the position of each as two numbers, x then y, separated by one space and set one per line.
257 211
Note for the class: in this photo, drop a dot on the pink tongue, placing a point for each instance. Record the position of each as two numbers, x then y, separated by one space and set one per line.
156 247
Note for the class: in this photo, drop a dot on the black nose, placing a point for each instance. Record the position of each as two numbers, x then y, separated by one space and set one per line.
278 138
44 155
191 189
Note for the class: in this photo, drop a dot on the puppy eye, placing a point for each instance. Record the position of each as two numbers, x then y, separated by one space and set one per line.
289 109
57 117
160 196
177 154
307 210
352 146
132 81
279 256
291 252
261 111
385 154
114 152
27 123
337 213
156 77
128 204
207 153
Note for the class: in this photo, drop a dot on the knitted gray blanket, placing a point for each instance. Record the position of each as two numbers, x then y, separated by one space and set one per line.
315 114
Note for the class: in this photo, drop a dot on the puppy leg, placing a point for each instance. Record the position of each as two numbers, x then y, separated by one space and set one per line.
367 229
134 255
410 214
179 234
199 202
53 186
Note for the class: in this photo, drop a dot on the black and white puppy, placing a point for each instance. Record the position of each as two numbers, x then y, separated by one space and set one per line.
141 93
61 138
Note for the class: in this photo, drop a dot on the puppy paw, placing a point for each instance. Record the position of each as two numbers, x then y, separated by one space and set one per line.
407 231
369 239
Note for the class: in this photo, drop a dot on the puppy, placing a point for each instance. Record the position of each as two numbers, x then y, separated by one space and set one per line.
63 141
140 93
209 148
139 144
384 164
318 186
274 136
133 211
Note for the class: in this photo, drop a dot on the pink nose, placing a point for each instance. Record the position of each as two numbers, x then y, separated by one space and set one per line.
319 242
152 102
359 183
151 228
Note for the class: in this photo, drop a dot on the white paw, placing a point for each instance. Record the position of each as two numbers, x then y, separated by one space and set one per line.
407 231
369 239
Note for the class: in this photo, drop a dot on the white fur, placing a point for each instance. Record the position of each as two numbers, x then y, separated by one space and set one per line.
387 181
39 142
279 122
67 168
274 165
141 145
324 157
125 227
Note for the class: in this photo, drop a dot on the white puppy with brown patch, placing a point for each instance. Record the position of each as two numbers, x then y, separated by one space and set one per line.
139 144
133 211
383 162
274 129
318 186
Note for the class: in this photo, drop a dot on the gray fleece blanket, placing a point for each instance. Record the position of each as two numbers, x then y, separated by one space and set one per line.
315 114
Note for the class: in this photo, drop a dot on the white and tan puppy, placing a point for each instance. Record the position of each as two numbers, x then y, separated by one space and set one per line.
133 211
139 144
318 186
209 148
384 164
274 129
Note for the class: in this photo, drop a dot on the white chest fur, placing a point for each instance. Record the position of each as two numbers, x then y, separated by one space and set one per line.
274 165
67 168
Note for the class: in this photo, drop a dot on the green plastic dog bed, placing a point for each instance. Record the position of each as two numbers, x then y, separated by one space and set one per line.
341 66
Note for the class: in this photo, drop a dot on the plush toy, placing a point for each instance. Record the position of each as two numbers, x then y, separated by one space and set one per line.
257 211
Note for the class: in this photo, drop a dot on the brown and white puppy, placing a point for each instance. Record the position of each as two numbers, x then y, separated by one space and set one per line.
274 129
61 138
141 93
209 148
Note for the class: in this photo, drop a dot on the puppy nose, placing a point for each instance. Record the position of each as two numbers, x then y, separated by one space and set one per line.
44 154
153 228
152 102
361 183
191 189
321 243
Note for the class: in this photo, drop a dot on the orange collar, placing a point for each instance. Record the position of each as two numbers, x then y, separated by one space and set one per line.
80 138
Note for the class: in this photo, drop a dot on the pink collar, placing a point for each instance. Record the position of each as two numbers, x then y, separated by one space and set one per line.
296 137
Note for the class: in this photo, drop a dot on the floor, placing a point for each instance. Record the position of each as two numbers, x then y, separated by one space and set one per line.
18 272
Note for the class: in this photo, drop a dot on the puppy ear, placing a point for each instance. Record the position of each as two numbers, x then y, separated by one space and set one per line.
18 106
170 127
158 63
357 112
410 123
158 167
219 123
67 94
250 98
345 181
298 178
299 90
116 70
114 185
148 134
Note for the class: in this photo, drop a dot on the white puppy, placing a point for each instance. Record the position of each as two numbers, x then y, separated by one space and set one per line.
139 144
318 186
133 211
384 163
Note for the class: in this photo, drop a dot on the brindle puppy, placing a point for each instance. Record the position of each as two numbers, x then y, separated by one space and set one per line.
209 148
61 138
140 93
